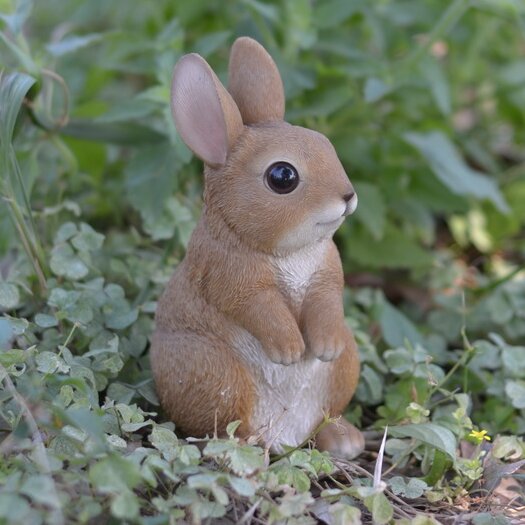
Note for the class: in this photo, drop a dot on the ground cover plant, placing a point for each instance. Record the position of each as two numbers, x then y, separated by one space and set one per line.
425 103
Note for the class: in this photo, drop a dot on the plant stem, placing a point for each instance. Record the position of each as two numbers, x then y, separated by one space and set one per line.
465 358
35 242
448 19
19 223
498 282
326 421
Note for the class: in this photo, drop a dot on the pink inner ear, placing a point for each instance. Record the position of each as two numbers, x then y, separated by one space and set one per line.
197 110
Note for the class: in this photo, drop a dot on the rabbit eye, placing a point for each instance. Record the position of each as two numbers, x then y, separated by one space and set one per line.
282 177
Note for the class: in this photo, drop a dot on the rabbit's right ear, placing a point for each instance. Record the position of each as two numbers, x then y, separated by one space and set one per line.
206 116
255 82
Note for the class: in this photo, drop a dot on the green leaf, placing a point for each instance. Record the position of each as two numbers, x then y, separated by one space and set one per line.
21 54
9 295
202 509
127 110
114 474
125 506
507 447
448 166
103 343
189 455
429 434
13 89
243 486
65 263
49 362
294 504
72 43
15 509
399 360
87 421
331 13
375 89
371 210
126 134
396 327
118 319
232 427
516 392
65 232
45 320
300 458
293 476
440 464
165 441
433 73
40 489
16 21
151 178
394 250
245 459
415 487
487 518
513 73
6 332
87 240
13 357
209 481
513 358
381 509
120 393
370 387
210 42
343 514
268 11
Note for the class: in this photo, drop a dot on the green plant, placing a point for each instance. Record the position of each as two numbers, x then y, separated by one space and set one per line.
424 103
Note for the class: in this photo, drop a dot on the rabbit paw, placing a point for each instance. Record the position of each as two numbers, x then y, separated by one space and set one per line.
341 439
287 355
327 346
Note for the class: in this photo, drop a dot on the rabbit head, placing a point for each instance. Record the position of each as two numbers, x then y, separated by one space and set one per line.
279 187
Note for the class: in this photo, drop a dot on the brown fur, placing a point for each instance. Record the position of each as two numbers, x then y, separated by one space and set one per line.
260 82
228 284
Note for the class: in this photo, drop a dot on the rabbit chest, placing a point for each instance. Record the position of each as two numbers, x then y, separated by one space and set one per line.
294 272
290 399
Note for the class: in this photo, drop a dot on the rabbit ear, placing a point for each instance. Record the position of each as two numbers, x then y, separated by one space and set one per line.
255 82
206 116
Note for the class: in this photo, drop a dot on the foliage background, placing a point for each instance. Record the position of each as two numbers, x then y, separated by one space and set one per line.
425 104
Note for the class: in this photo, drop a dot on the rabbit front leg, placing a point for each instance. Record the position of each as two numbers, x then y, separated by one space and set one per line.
266 316
322 317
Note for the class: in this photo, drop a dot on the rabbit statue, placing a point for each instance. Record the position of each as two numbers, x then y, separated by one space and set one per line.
251 325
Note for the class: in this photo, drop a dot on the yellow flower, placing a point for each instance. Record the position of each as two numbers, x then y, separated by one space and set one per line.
479 435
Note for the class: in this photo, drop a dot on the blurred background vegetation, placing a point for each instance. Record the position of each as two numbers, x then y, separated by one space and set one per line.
418 99
425 104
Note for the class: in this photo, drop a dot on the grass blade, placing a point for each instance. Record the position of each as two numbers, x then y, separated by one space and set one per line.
13 89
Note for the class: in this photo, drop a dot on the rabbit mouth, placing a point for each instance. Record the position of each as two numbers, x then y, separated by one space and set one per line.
335 222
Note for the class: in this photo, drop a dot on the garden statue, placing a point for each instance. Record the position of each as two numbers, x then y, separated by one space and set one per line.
251 325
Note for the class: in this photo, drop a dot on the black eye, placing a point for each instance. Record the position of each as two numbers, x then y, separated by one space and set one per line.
282 177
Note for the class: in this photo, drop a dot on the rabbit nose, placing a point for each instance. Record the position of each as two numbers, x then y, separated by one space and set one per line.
348 196
351 203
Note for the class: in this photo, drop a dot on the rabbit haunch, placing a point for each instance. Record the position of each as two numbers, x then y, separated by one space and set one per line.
251 325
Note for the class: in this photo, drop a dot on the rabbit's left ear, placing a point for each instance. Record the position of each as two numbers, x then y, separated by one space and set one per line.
255 83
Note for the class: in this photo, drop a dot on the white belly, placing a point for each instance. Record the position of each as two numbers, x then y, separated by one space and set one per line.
290 400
